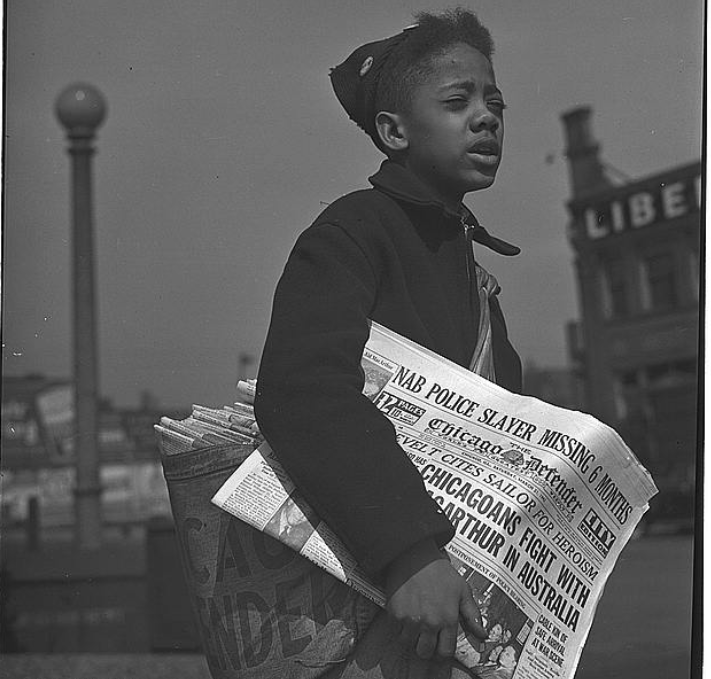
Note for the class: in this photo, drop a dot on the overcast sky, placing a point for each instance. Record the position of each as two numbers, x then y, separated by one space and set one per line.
223 140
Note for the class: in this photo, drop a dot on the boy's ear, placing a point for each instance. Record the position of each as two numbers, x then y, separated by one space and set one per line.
391 130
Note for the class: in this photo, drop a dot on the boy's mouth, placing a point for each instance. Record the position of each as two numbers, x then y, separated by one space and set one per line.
485 152
485 147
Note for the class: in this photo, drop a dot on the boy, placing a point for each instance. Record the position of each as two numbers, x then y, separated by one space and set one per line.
400 254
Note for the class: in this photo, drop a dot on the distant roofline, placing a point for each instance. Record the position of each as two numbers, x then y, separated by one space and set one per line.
636 184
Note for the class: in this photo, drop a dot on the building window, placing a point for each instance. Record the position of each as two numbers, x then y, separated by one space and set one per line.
615 297
619 399
662 284
671 373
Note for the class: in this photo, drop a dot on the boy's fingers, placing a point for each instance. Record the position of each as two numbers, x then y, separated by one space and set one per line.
471 617
426 644
409 633
447 642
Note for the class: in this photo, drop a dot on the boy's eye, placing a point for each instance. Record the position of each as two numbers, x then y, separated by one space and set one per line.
496 105
456 102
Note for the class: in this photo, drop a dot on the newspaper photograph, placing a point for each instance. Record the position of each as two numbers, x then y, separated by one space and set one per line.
543 500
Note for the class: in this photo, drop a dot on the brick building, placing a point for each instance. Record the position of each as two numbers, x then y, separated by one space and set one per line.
636 345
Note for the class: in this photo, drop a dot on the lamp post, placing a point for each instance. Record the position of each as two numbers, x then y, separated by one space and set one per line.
81 109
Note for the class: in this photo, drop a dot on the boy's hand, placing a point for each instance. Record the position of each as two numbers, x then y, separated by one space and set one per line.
429 599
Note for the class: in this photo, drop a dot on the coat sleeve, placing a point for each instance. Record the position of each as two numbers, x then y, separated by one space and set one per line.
340 451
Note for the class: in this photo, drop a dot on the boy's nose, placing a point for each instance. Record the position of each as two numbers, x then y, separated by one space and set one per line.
484 119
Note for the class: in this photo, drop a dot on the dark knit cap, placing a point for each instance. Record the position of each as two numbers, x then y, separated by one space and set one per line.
355 81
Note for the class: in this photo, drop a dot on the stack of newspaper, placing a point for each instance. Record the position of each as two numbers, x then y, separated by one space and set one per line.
207 427
542 500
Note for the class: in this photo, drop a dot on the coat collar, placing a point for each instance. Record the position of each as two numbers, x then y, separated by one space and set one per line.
401 184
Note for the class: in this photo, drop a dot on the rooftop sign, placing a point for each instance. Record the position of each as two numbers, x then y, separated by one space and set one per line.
651 204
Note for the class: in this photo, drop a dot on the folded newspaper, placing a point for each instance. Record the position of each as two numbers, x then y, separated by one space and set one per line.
207 427
543 500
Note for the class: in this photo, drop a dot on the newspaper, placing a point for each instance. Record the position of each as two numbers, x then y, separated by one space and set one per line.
207 427
543 500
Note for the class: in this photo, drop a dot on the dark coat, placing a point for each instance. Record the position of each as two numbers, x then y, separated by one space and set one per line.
393 255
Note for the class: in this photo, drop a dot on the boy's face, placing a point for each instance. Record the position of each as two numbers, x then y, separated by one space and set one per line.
454 125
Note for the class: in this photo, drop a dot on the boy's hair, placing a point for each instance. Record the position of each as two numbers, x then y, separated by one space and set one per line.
410 64
382 75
